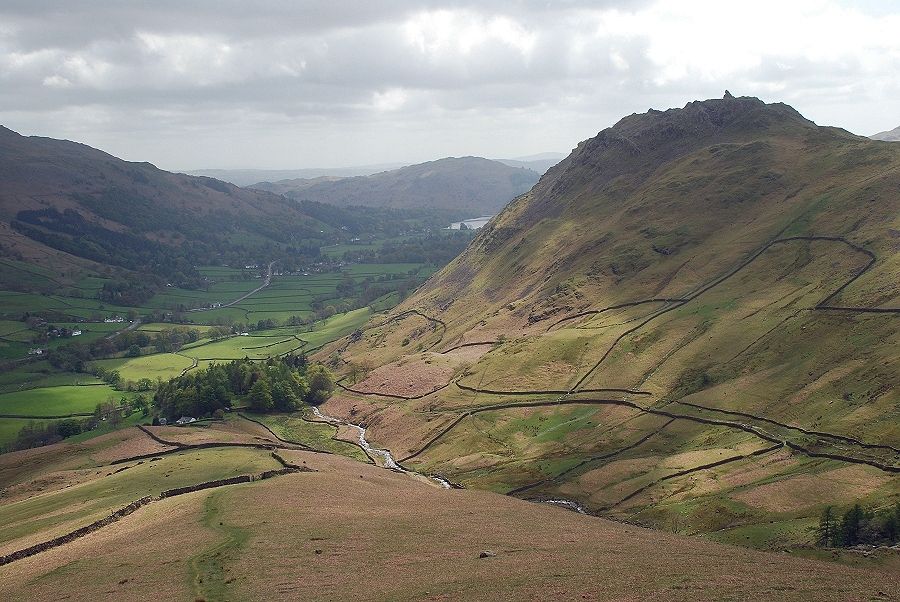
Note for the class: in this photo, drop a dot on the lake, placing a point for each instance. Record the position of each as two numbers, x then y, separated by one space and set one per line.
472 224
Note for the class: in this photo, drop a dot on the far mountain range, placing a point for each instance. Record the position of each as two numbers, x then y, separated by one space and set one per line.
471 185
889 136
540 163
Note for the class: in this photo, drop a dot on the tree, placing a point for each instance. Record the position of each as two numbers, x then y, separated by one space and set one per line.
891 528
321 384
851 525
260 396
113 378
133 351
141 404
827 527
284 398
68 427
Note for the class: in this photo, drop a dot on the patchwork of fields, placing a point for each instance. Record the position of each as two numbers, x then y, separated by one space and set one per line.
32 390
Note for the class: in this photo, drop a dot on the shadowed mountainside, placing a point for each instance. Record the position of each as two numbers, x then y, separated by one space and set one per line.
58 196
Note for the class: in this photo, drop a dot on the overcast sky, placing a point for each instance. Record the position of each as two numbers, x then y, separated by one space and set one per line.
282 84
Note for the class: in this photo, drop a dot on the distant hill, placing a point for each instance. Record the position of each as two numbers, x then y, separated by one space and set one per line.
889 136
246 177
540 163
468 186
67 203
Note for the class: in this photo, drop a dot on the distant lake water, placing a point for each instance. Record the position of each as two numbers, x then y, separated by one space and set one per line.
472 224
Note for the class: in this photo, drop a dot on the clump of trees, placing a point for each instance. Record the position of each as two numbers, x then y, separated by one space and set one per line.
859 525
280 385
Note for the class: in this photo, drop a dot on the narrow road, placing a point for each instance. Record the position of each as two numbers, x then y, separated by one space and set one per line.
132 326
265 283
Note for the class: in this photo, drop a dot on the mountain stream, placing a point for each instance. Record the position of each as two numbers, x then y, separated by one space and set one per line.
384 457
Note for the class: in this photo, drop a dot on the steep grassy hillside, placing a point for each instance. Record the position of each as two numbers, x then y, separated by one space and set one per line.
691 322
469 186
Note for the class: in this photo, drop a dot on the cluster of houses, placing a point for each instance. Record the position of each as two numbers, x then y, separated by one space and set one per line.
55 333
180 422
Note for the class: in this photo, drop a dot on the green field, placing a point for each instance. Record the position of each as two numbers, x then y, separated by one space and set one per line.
19 275
48 400
10 427
256 348
335 327
40 374
158 365
160 326
264 344
56 401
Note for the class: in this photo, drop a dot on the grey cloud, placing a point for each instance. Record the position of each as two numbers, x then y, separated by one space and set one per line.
346 75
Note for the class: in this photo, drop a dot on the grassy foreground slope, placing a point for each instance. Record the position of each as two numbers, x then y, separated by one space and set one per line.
689 323
350 530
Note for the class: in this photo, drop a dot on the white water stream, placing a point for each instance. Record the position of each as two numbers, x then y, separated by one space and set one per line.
569 504
387 460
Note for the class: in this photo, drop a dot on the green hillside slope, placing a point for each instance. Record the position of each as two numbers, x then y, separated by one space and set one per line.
691 322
